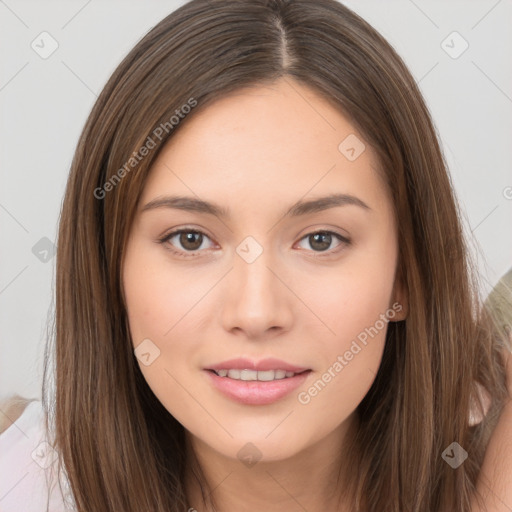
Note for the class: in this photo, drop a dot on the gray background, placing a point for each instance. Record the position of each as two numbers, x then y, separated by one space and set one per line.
44 104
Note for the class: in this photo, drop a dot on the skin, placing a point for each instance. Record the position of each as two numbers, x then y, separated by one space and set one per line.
256 153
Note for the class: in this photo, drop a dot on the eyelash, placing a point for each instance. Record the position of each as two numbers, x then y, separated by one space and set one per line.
344 241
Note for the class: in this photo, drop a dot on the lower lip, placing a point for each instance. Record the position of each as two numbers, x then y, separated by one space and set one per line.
257 392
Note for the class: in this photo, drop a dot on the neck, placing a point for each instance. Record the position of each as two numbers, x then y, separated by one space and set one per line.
312 479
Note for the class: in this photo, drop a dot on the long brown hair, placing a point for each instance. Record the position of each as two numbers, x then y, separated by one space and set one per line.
121 449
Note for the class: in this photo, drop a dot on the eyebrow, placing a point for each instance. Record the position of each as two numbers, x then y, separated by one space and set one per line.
300 208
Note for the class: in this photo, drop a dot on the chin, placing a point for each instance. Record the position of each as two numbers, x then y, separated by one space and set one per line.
257 446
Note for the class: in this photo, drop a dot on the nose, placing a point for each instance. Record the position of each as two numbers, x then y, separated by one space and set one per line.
256 300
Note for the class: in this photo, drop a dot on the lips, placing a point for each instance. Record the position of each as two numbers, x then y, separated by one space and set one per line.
239 379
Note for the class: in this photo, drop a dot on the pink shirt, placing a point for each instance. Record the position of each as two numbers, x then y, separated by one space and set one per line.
28 467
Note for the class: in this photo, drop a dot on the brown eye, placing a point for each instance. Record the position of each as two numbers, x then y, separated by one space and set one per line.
184 241
321 241
191 240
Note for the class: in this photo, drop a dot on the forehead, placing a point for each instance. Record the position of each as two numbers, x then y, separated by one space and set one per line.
268 143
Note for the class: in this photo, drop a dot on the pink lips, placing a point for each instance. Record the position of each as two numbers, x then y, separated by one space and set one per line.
256 392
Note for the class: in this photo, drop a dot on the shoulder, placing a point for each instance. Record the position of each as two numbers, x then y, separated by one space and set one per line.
11 409
28 463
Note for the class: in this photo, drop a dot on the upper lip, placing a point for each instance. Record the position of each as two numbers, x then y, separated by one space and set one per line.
264 364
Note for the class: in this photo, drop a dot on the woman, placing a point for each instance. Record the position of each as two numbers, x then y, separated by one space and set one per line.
316 345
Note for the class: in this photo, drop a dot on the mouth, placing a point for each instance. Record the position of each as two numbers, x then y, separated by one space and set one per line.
255 375
250 383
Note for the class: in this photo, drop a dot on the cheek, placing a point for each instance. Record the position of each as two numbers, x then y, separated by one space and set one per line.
158 295
166 305
351 300
356 305
158 298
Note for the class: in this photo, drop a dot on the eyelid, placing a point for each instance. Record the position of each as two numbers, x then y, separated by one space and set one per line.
344 240
163 240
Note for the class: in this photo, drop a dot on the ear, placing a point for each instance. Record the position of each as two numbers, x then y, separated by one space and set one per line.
399 298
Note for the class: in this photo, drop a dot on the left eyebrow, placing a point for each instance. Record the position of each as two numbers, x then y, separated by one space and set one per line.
298 209
324 203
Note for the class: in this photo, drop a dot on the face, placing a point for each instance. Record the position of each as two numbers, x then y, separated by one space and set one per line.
264 284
